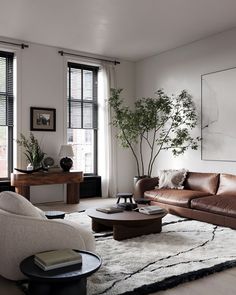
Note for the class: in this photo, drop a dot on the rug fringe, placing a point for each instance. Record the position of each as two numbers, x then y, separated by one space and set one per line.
177 280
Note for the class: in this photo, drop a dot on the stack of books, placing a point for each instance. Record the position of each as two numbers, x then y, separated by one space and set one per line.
110 210
151 210
57 259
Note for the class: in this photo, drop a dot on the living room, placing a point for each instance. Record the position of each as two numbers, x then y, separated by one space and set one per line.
158 44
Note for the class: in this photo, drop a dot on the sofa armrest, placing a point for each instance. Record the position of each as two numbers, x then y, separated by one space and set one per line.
143 185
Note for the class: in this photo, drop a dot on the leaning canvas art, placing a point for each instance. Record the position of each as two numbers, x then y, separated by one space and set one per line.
218 115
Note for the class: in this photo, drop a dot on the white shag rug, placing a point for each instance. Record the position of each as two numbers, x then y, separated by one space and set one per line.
184 250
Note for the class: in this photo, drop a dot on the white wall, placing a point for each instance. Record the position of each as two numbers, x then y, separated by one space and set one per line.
182 68
42 86
41 81
125 161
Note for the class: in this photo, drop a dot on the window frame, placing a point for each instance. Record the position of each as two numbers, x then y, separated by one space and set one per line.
9 94
93 102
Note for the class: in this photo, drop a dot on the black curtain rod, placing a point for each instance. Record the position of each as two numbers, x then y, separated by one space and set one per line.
22 45
61 52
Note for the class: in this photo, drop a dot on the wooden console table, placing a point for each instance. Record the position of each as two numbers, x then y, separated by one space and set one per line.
23 181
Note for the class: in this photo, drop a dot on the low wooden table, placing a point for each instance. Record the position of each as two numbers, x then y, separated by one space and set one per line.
23 181
69 280
126 224
124 196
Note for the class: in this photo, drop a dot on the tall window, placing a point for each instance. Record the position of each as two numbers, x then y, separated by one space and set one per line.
82 116
6 114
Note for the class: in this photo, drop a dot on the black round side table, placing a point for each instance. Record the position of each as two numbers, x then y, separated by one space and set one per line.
69 280
55 214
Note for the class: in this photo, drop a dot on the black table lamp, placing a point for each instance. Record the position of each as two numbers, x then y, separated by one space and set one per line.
66 153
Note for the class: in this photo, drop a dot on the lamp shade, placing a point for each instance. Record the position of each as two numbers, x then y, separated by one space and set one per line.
66 151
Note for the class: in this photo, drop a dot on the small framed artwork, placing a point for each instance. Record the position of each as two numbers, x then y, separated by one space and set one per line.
42 119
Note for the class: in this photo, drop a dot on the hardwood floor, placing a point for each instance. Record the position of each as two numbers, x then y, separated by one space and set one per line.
83 205
223 283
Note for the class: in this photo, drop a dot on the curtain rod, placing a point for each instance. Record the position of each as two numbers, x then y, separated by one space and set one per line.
61 52
22 45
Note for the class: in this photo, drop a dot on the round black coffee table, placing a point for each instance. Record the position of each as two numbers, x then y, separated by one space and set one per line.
69 280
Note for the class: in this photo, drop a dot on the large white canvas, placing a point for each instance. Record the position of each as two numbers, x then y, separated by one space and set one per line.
219 115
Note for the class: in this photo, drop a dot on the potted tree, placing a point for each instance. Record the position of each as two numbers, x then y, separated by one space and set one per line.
159 123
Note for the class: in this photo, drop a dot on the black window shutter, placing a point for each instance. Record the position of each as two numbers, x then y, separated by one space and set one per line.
6 89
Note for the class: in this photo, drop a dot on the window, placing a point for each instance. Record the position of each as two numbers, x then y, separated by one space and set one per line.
6 114
82 116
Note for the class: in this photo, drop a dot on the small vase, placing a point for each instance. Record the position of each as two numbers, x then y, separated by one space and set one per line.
29 167
66 163
37 165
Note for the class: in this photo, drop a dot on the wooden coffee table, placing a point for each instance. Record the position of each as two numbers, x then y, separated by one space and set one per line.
126 224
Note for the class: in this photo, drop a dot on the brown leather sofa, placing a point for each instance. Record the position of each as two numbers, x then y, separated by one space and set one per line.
209 197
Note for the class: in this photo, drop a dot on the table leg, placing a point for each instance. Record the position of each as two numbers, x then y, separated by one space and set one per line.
73 193
98 227
121 232
57 288
24 191
36 288
78 287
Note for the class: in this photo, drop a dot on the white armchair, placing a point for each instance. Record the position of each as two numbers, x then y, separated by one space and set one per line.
25 231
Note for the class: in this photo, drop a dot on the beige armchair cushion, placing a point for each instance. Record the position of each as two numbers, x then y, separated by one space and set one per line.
15 203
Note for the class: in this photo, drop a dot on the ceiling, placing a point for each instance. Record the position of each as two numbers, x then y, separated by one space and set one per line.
125 29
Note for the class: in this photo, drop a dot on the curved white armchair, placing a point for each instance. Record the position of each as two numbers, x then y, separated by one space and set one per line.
23 235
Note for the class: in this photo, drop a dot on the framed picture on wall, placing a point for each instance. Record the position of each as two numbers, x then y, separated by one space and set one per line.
42 119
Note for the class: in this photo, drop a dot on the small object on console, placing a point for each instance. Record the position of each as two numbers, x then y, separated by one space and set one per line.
127 206
29 171
143 201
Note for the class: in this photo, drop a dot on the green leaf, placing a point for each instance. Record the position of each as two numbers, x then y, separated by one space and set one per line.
33 152
159 123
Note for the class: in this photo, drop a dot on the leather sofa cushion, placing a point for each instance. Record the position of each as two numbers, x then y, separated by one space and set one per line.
175 197
204 182
223 205
227 185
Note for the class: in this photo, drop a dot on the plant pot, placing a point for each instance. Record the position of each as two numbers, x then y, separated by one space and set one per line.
136 178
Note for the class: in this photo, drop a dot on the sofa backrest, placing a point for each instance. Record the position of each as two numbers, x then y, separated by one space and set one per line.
227 185
204 182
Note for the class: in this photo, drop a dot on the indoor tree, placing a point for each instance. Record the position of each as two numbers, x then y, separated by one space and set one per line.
159 123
